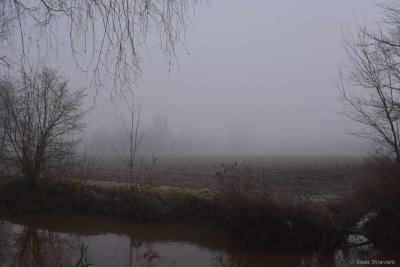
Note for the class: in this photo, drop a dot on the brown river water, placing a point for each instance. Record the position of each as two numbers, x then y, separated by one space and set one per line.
55 240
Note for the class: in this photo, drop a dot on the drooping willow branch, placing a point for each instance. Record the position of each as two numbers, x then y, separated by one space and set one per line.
107 37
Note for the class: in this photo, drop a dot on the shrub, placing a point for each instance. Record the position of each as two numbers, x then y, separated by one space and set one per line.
245 205
380 192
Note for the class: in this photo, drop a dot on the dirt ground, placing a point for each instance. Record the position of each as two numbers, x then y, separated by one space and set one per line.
308 176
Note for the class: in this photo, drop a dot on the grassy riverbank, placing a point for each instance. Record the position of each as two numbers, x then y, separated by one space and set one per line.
257 220
144 203
242 203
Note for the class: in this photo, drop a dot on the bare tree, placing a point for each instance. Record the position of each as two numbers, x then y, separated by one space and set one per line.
130 140
110 35
370 81
42 120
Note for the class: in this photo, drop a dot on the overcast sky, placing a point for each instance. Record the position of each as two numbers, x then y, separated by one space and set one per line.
259 78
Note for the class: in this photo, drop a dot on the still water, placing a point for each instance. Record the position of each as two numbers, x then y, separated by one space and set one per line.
55 240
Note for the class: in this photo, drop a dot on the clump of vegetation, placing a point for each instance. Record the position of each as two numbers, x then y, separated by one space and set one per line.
82 261
246 206
379 193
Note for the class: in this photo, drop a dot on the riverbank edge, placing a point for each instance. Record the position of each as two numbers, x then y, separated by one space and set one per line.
300 225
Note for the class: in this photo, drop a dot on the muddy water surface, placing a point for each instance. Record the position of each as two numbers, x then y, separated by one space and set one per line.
56 239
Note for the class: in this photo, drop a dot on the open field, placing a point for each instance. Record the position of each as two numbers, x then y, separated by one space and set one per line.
300 176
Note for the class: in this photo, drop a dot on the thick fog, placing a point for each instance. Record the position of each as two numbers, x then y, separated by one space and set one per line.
251 78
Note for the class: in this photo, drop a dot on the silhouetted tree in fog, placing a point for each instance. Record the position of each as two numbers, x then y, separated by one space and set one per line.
370 81
41 119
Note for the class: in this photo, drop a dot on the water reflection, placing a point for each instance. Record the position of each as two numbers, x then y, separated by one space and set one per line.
23 245
5 248
141 253
54 240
